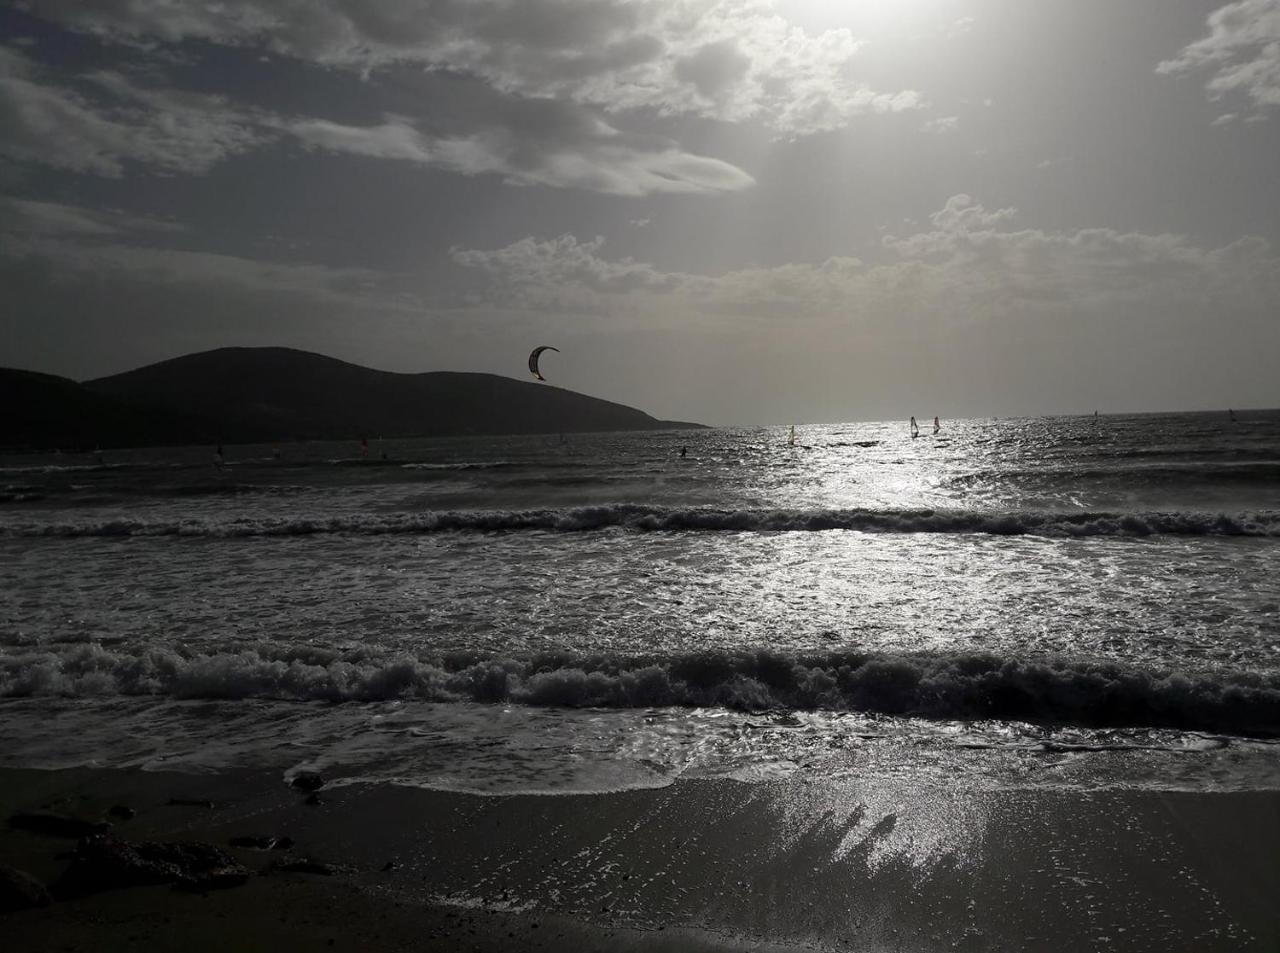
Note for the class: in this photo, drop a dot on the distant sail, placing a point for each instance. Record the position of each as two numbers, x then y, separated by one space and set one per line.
791 441
936 425
533 359
915 428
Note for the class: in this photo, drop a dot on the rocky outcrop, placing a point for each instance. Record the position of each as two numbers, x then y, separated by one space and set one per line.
103 862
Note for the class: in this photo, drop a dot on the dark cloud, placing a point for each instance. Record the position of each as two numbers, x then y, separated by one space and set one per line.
728 60
524 141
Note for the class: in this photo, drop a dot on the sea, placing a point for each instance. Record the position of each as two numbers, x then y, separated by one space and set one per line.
1065 602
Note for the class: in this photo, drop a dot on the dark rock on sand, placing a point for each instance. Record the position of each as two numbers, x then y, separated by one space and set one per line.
103 862
56 825
122 812
21 891
307 781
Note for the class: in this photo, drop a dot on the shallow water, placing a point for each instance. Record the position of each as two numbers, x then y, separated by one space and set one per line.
1048 579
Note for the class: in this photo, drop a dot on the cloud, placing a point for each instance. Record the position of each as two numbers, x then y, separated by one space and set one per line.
732 60
564 261
565 148
113 122
941 124
1241 52
109 121
953 223
969 267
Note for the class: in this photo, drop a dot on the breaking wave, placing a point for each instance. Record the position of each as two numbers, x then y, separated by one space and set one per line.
1266 473
960 686
645 518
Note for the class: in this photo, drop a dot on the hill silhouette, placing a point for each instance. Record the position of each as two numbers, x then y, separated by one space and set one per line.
248 395
43 411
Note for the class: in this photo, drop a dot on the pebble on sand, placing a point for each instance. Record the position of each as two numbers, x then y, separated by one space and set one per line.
307 781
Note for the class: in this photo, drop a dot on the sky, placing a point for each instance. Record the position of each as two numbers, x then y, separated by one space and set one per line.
735 212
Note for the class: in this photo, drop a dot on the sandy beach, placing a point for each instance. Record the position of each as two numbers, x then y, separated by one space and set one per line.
694 865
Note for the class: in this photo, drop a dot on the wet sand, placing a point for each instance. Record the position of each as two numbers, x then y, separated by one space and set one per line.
881 864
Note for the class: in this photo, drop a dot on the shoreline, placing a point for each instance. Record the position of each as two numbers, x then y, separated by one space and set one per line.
802 863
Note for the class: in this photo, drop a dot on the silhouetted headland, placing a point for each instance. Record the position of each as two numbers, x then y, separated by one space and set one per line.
247 395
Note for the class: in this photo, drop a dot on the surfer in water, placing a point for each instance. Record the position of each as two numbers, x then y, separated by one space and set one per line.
364 447
915 428
217 457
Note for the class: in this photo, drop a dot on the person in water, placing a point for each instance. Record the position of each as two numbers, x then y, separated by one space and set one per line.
217 457
364 447
684 451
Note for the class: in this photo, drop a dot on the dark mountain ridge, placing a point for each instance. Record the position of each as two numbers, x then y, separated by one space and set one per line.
249 395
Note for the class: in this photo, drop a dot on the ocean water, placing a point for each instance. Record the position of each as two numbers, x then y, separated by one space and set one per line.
1080 601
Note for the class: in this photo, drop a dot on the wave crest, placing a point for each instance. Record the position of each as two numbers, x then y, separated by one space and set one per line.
963 686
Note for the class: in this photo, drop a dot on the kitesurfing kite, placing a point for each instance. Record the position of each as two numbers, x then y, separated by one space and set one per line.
533 359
